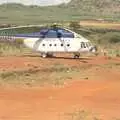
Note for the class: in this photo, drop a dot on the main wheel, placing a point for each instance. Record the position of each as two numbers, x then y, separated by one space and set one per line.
76 55
44 55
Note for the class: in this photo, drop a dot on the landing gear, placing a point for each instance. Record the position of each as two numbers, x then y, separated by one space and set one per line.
44 55
76 55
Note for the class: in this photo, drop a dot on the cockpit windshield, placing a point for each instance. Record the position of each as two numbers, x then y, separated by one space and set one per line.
85 44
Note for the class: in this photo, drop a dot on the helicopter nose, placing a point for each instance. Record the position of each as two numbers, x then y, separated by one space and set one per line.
93 49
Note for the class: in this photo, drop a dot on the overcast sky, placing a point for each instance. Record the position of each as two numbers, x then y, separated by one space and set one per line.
36 2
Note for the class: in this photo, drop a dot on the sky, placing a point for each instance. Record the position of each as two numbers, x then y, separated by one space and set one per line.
36 2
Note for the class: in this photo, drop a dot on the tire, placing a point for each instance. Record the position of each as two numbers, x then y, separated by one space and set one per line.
76 56
44 55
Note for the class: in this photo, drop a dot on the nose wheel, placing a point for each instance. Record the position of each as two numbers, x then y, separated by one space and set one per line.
93 49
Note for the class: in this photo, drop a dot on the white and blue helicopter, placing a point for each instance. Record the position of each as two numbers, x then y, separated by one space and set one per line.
50 40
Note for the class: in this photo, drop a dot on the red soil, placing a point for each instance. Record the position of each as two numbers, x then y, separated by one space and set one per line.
101 95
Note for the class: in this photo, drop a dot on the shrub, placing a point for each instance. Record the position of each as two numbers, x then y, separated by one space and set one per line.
115 38
19 41
74 25
110 37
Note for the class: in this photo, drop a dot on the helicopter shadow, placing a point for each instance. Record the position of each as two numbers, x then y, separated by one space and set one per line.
30 55
81 59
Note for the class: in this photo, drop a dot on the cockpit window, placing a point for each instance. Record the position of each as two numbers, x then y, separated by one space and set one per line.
87 44
83 45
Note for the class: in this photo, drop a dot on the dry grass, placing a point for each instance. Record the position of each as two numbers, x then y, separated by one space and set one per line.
56 74
81 115
94 24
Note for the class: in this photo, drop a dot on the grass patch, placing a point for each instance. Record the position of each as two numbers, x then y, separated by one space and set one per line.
12 49
81 115
108 66
110 37
56 74
20 14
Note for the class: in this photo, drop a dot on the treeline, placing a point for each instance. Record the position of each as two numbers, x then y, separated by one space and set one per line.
98 35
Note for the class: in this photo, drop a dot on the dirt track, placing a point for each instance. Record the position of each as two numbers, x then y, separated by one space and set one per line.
100 95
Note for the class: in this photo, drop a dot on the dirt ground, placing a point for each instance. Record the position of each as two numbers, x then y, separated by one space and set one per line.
100 95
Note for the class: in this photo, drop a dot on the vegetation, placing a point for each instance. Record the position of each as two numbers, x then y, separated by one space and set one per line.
108 39
75 25
56 74
75 10
81 115
11 49
105 38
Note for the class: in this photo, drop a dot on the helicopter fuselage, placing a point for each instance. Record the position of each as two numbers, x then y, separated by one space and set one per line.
52 45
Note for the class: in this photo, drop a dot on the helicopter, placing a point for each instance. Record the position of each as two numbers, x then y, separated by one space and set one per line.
54 39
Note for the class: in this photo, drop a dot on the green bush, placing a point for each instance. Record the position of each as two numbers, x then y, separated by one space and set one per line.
19 41
110 37
74 25
115 38
10 49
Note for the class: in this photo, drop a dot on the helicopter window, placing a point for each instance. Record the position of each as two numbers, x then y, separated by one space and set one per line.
43 44
68 45
83 45
55 44
50 45
61 44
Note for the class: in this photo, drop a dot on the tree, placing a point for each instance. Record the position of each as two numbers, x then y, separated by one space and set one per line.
74 25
